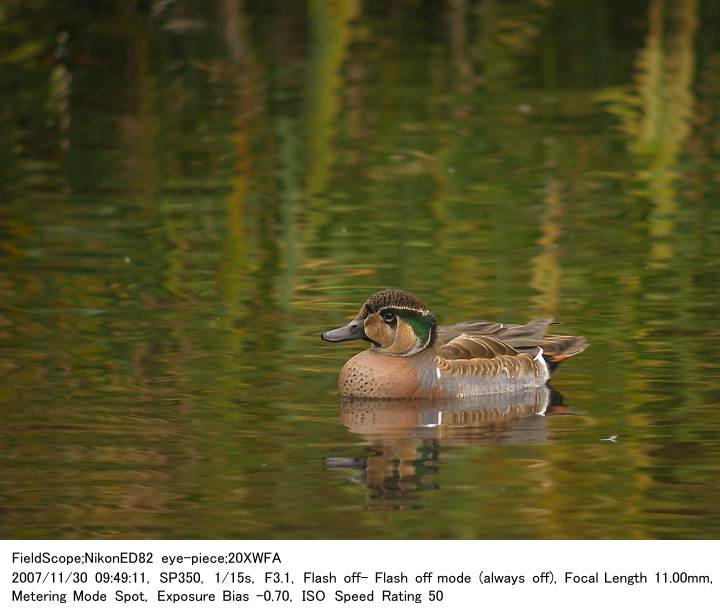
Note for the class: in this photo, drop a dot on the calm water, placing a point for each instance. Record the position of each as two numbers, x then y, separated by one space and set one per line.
190 192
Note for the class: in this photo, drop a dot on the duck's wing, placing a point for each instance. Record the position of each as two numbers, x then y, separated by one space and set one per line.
445 333
468 347
491 359
520 337
488 340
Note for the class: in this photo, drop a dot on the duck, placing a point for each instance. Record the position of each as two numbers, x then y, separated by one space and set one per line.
411 356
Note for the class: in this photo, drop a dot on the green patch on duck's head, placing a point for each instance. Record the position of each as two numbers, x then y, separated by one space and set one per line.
422 323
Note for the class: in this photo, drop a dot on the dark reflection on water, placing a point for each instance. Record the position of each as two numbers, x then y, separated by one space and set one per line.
405 437
476 417
191 191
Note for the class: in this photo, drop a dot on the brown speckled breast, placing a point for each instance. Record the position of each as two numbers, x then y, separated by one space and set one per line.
372 374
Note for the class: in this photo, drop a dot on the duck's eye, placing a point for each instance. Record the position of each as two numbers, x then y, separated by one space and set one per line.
388 316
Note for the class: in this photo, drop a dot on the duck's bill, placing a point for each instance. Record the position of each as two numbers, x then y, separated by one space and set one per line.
352 331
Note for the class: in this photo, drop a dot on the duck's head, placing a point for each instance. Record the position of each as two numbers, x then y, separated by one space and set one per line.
394 321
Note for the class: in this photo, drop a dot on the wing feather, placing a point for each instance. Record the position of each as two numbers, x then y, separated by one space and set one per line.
471 347
488 340
496 350
535 330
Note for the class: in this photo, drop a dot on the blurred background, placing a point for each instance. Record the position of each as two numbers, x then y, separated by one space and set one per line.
191 191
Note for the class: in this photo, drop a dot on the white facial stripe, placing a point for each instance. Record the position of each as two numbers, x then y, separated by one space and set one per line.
422 312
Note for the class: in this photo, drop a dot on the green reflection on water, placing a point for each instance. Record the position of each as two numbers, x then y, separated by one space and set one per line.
192 191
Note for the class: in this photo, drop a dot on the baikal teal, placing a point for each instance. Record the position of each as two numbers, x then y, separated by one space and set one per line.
191 191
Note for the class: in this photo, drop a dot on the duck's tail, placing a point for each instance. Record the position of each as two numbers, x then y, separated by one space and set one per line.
556 349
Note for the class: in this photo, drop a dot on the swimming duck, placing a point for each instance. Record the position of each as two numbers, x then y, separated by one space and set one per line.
413 357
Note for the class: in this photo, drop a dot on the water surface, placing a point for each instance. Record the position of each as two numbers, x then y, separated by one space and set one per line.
190 192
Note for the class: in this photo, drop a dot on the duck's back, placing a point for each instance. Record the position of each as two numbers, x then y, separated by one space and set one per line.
529 339
482 357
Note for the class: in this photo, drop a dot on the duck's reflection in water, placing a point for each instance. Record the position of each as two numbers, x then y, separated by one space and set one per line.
405 437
